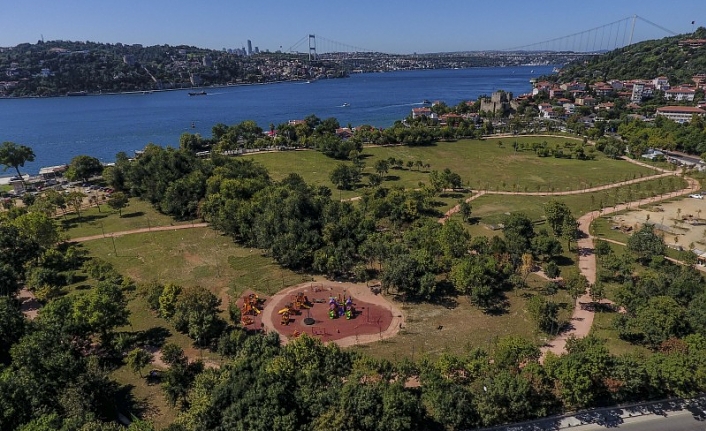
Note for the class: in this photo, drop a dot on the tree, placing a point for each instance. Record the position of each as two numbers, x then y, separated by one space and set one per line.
551 269
137 359
118 201
14 156
576 284
545 313
39 228
101 309
381 167
83 167
196 313
646 243
75 200
344 176
464 208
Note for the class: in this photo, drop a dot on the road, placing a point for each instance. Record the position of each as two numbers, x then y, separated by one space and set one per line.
683 420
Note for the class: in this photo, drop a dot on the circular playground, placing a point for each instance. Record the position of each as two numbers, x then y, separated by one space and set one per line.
345 313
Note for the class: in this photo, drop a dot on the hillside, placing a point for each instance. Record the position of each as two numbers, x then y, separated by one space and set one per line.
55 68
644 60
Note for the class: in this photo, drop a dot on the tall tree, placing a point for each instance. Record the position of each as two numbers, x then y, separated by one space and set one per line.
14 156
83 168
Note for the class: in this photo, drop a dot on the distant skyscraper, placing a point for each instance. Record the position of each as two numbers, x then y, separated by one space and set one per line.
249 47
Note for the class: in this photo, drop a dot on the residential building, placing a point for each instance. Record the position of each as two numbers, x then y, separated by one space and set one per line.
680 94
638 90
661 83
680 114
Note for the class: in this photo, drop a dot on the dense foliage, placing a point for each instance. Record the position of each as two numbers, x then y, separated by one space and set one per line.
643 60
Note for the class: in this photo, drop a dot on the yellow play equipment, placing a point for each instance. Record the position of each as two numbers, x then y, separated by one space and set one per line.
286 313
251 305
301 301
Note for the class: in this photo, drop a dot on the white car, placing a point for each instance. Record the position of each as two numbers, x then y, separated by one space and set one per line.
696 196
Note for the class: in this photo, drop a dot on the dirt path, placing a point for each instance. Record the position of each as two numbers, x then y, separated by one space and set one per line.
134 231
28 303
582 317
456 208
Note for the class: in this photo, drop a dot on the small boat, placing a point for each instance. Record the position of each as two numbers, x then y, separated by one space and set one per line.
345 105
197 93
556 70
426 102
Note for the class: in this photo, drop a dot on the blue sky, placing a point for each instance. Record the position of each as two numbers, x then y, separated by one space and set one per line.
394 26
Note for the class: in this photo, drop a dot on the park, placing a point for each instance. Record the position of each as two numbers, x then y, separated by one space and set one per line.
500 176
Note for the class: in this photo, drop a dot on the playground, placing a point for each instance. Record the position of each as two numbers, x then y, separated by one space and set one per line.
345 313
682 222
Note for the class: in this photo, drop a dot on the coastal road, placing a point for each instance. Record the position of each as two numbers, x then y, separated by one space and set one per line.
683 420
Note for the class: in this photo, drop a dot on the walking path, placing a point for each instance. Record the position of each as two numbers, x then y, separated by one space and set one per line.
582 317
134 231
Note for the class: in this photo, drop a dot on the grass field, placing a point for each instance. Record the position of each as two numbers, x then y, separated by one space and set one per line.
491 209
199 256
481 165
137 215
456 327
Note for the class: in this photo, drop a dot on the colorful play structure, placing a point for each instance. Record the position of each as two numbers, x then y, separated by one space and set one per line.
286 313
251 307
338 307
301 301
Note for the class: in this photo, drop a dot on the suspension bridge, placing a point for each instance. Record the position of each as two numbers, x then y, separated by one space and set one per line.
590 42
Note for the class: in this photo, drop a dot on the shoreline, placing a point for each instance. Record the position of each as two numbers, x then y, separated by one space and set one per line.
164 90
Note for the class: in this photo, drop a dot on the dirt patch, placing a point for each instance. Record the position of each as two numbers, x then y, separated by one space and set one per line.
28 303
375 318
682 222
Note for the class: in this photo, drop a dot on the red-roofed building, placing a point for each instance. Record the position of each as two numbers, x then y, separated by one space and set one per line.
680 114
680 94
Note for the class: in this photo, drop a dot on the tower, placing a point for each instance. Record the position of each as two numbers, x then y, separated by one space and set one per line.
312 47
249 47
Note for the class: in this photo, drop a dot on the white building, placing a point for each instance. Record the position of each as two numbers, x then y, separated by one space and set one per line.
680 94
680 114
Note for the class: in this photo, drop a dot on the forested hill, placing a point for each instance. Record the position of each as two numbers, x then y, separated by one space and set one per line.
55 68
644 60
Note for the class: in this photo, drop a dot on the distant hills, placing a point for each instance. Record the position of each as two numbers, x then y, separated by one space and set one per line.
56 68
678 58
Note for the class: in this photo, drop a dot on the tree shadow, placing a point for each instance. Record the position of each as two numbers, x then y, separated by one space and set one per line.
126 404
452 195
392 177
562 260
155 336
76 221
133 214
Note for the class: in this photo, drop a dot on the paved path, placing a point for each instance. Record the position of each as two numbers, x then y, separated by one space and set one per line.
582 317
134 231
480 193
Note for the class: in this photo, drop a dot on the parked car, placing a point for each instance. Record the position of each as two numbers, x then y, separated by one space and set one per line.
696 196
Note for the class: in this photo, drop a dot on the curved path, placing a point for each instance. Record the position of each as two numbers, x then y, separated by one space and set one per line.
664 173
582 318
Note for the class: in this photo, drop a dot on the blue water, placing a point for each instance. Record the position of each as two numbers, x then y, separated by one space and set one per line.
58 129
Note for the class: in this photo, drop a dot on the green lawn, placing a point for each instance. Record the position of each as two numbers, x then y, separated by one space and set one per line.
481 165
137 215
457 326
198 256
491 209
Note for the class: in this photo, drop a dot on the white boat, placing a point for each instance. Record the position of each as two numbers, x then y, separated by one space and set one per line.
345 105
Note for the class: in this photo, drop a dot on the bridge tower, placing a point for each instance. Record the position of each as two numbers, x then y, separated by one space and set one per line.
312 47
